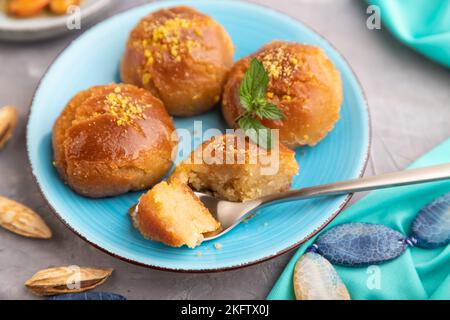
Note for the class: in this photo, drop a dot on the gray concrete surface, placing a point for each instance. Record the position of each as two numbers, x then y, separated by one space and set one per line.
409 100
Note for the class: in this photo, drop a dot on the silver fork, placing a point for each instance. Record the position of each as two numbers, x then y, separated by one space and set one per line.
230 214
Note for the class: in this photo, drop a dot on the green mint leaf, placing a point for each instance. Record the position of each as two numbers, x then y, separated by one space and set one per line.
247 122
261 79
252 96
246 102
255 81
269 111
256 131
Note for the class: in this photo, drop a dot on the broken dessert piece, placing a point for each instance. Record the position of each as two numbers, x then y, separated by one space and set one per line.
172 214
233 168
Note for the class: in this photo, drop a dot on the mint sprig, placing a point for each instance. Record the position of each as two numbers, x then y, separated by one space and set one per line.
252 95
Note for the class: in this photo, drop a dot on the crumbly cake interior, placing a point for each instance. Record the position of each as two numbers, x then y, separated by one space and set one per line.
241 180
237 184
175 214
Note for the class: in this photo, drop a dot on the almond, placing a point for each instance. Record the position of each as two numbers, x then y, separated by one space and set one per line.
61 6
26 8
22 220
68 279
8 121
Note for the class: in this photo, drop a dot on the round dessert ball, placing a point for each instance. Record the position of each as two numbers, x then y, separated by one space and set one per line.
180 55
303 83
113 139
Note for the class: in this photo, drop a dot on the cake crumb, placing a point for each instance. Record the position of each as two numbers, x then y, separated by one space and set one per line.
218 246
198 254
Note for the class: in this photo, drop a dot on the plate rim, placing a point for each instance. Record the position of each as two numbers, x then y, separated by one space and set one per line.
341 207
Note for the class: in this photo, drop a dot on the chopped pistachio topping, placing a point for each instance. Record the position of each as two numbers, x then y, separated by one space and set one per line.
124 109
171 35
279 63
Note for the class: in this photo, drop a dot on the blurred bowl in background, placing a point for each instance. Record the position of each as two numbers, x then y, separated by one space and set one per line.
47 25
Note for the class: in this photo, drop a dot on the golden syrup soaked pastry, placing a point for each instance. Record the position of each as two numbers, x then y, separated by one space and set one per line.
180 55
303 83
172 214
61 6
26 8
113 139
228 167
30 8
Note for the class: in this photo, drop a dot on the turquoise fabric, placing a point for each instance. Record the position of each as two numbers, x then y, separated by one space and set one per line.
418 273
423 25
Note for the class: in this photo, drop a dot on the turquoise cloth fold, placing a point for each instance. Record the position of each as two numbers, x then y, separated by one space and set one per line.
424 25
418 273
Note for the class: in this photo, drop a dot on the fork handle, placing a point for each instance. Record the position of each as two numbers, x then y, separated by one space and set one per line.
388 180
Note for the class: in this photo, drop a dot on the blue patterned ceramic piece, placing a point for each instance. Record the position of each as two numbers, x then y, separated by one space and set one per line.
316 279
431 227
89 296
360 244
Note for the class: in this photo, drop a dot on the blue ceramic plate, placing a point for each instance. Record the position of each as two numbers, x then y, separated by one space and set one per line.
94 58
